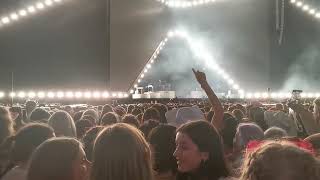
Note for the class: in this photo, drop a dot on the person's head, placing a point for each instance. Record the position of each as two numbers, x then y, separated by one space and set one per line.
63 124
256 115
93 113
39 115
77 116
199 151
69 109
88 140
27 139
136 111
30 106
275 133
16 113
106 108
162 143
120 111
6 124
247 132
280 161
162 111
130 108
146 127
151 113
121 153
59 158
82 126
238 114
279 107
131 119
109 119
228 132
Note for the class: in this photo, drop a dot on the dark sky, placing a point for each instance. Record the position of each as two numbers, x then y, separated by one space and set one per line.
66 46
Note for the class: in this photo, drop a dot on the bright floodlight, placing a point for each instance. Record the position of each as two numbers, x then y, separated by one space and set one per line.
48 2
31 94
120 95
23 12
230 81
78 94
12 94
105 94
69 94
249 95
236 87
14 16
126 95
131 91
1 94
22 94
139 80
114 94
136 85
293 1
152 60
148 66
303 95
305 8
257 95
31 9
5 20
170 34
312 11
142 75
240 91
145 71
50 95
318 15
265 95
299 4
310 95
87 94
60 94
96 94
40 5
57 0
317 95
41 95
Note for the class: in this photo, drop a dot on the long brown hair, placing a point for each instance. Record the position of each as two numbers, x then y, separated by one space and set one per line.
54 159
121 153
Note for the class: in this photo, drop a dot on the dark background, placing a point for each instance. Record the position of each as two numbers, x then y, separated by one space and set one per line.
65 47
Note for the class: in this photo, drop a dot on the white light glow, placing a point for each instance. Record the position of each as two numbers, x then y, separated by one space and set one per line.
31 94
41 94
21 94
5 20
114 94
257 95
139 80
31 9
12 94
48 2
299 4
51 95
69 94
78 94
293 1
145 71
14 16
2 94
312 11
96 94
317 15
265 95
105 94
87 94
40 5
126 95
60 94
136 85
57 0
23 12
148 66
249 95
305 8
120 95
142 75
131 91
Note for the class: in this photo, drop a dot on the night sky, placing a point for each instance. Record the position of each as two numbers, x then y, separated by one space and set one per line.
66 47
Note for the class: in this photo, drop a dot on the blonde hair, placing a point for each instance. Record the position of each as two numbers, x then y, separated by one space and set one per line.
121 153
6 124
280 161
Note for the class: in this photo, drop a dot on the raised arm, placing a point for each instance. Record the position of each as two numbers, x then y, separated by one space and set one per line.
217 119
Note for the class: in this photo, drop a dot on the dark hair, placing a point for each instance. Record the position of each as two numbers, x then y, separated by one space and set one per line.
77 116
151 113
106 108
82 126
238 114
257 116
109 119
88 140
146 127
89 118
18 122
207 139
130 108
162 138
162 110
131 119
136 111
229 131
54 159
39 115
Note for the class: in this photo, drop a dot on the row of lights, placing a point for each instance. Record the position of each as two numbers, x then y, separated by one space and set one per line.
280 95
62 94
208 61
184 3
307 8
32 9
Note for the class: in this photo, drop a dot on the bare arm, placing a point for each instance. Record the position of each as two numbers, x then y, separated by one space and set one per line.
217 120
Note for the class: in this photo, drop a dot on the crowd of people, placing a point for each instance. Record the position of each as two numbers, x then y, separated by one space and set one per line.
155 141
